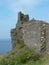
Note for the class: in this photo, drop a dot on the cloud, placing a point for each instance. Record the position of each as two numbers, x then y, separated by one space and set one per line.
21 5
29 2
26 6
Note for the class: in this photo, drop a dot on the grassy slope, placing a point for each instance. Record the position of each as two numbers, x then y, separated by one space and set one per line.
22 55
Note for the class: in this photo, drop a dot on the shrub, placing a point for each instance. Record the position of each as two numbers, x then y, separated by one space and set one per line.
3 62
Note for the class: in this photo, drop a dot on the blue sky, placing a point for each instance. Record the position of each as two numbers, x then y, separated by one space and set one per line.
38 9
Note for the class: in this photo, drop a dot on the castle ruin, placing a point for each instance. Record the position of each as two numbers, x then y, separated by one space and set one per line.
33 33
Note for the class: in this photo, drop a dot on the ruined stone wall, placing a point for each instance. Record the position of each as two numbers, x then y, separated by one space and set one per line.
43 35
32 35
47 39
36 36
16 33
14 37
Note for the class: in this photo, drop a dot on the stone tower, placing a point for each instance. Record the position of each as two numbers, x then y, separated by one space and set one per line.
16 33
33 33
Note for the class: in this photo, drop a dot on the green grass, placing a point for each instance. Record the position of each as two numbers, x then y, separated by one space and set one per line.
22 55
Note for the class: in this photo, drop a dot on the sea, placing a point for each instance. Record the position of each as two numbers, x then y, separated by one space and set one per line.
5 46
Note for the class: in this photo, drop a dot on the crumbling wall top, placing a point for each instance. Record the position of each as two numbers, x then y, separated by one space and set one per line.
22 17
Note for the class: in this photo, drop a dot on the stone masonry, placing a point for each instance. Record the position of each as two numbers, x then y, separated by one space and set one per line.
33 33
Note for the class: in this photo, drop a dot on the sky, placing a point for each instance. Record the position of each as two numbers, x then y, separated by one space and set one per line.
38 9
